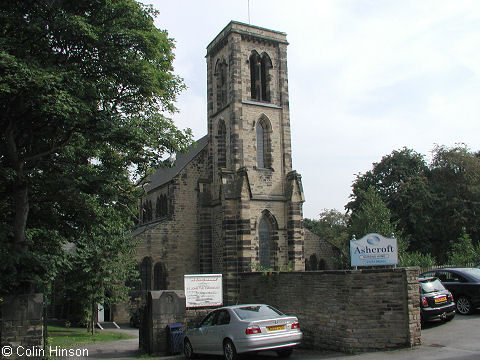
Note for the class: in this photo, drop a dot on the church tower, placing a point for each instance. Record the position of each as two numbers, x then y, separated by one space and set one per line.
253 220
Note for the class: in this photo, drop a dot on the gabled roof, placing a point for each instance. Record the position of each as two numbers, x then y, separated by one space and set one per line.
165 174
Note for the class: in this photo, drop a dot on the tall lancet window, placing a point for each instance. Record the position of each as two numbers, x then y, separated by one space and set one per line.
146 273
221 83
264 156
264 243
260 146
222 145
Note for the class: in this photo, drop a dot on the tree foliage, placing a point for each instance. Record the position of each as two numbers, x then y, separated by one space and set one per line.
330 226
84 92
373 216
430 204
462 251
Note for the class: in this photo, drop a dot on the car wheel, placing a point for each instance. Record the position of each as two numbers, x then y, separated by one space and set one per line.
188 350
229 351
464 305
284 353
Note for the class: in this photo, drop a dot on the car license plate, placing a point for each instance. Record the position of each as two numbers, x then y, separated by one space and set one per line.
276 328
440 299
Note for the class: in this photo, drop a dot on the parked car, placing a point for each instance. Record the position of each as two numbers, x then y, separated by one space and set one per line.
233 330
463 283
436 302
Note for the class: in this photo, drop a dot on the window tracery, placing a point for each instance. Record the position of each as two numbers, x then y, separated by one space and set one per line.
260 66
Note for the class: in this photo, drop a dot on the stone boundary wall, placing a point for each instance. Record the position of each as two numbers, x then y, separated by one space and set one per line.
344 310
21 326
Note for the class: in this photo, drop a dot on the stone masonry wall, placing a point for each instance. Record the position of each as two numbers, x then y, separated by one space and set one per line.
21 326
174 241
326 253
362 310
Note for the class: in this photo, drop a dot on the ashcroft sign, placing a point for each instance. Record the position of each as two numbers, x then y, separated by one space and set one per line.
372 250
203 290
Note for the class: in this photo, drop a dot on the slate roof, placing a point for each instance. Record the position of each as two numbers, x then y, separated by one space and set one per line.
165 174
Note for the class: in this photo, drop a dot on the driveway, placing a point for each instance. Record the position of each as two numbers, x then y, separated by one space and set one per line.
455 340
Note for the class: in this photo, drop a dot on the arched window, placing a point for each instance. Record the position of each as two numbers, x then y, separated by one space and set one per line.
222 144
159 277
264 157
146 273
264 243
143 209
322 265
158 207
164 205
148 211
259 76
221 83
313 262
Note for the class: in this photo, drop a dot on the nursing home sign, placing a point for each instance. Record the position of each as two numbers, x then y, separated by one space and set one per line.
373 250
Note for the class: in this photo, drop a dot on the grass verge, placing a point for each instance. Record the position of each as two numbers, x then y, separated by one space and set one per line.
68 338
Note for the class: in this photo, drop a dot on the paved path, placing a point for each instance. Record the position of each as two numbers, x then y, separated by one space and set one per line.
122 349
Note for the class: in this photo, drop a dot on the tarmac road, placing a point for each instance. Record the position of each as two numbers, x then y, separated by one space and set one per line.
458 339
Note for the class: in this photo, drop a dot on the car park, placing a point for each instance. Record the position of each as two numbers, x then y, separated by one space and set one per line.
238 329
463 283
436 302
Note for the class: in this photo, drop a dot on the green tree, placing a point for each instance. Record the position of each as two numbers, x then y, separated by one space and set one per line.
401 179
82 85
330 226
103 261
463 252
429 204
455 182
373 216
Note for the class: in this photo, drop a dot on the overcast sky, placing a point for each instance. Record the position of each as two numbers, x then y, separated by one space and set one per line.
365 78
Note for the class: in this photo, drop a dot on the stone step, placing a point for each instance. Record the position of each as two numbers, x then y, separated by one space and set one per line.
107 325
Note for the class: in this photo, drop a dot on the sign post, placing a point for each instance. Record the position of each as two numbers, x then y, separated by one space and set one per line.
373 250
203 290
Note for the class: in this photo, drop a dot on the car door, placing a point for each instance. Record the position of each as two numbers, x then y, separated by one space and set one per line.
202 339
218 331
453 282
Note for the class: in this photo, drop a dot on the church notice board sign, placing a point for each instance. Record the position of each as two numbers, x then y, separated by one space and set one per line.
203 290
373 250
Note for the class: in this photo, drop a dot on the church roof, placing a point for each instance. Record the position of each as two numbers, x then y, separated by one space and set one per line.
165 174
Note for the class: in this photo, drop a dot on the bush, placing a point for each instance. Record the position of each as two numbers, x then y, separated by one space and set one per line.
417 259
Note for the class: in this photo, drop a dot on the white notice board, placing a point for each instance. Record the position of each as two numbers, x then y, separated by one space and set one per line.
203 290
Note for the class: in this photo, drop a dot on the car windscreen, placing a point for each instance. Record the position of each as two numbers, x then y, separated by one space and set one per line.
430 286
257 312
473 273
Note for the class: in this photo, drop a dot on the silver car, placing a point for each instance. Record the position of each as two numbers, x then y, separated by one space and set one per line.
233 330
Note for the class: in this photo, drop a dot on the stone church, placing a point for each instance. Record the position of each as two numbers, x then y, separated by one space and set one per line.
232 203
